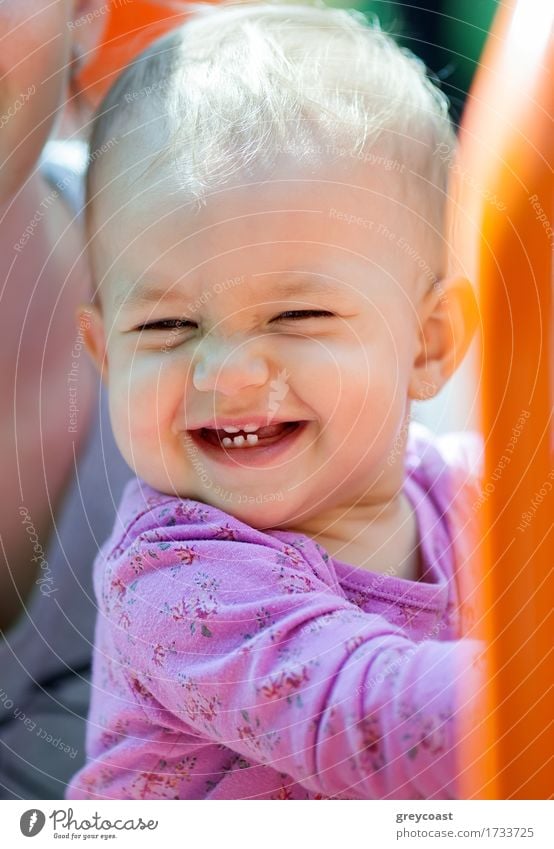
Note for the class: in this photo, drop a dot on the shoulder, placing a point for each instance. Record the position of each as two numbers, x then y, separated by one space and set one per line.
448 469
143 509
146 515
158 537
454 459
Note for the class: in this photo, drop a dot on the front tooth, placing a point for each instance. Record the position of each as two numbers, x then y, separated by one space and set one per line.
231 429
239 441
250 428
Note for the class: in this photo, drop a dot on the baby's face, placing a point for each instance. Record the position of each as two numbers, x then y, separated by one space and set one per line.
290 304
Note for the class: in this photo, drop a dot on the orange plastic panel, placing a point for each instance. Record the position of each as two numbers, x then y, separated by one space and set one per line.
505 223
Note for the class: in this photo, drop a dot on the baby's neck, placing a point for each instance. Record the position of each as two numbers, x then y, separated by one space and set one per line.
382 538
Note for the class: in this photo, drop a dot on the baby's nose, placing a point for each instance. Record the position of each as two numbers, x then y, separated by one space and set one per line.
229 369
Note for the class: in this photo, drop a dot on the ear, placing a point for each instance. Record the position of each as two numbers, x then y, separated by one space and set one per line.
89 319
448 317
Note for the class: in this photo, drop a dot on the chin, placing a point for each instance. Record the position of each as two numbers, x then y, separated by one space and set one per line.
259 511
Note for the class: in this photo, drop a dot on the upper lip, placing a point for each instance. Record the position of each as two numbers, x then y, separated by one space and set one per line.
241 421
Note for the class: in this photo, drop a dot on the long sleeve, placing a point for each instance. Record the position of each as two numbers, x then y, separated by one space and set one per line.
257 648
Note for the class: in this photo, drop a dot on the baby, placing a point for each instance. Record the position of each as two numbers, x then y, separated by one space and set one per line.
279 599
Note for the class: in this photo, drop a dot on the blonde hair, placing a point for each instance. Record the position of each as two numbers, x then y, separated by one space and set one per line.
239 84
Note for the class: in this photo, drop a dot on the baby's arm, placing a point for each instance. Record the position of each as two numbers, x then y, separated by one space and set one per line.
251 643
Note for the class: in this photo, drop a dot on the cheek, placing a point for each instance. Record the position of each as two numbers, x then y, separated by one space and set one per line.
349 378
372 397
316 366
389 390
327 372
145 392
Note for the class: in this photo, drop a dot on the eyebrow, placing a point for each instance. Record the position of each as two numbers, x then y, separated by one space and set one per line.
304 282
147 294
289 283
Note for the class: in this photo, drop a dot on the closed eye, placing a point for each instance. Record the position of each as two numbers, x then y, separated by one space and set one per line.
182 324
167 324
302 314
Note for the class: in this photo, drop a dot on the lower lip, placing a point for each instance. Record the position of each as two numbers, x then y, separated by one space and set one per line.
258 455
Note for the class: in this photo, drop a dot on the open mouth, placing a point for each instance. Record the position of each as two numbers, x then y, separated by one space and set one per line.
247 440
252 447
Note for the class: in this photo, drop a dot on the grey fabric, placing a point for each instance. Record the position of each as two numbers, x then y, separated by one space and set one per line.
45 658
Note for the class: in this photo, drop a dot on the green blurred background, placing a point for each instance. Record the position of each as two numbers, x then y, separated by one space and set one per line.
448 35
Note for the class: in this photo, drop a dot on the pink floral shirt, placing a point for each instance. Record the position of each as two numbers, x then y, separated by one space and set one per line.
233 663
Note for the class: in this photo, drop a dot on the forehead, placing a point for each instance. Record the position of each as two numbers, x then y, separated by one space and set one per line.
144 221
